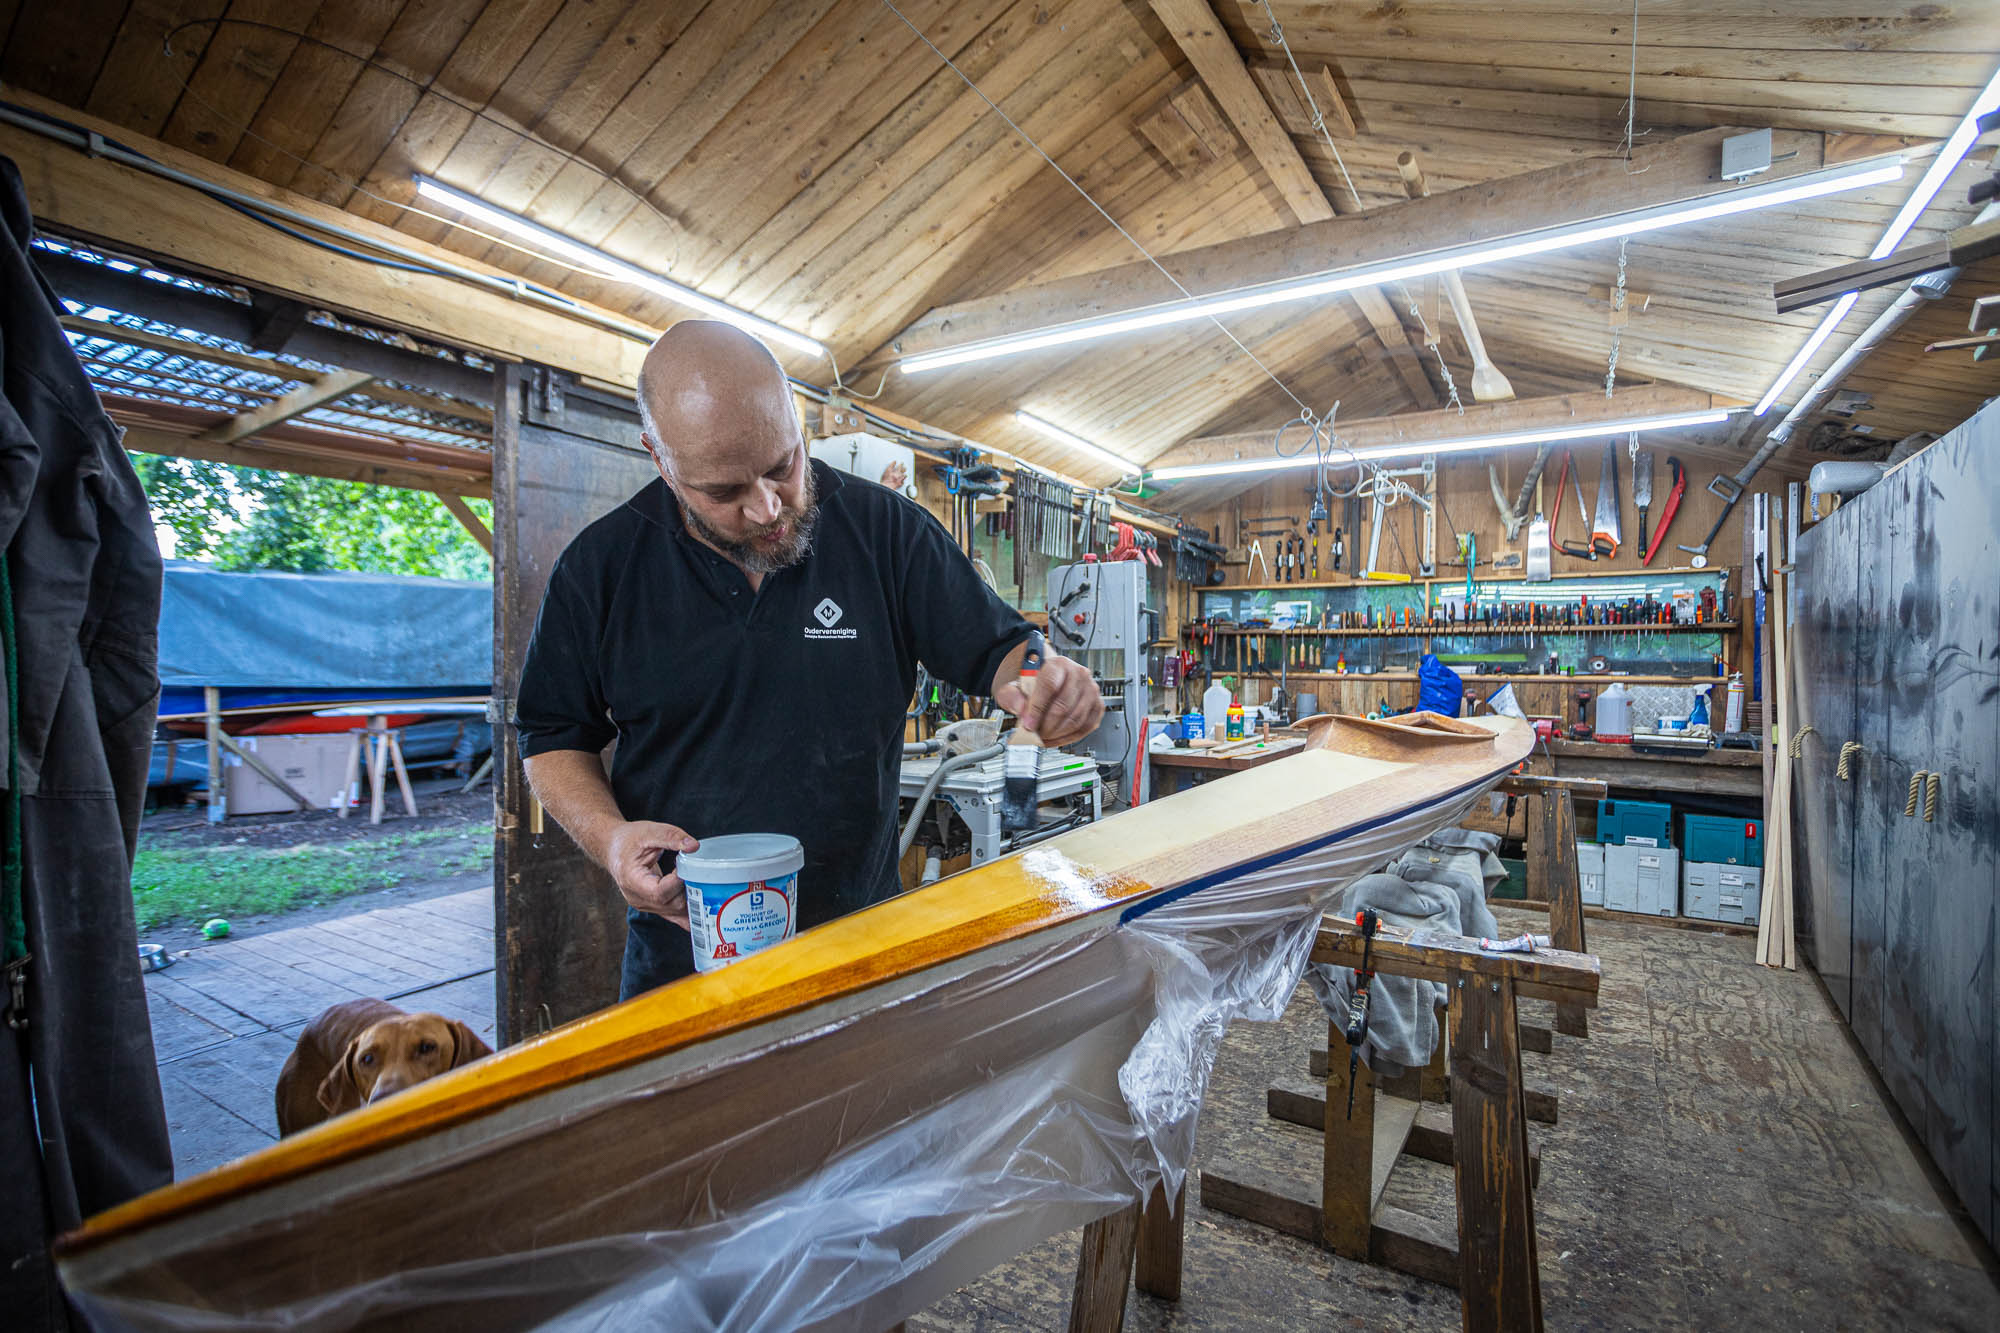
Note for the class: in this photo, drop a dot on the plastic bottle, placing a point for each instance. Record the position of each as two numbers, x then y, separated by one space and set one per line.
1613 720
1215 708
1699 717
1733 710
1235 720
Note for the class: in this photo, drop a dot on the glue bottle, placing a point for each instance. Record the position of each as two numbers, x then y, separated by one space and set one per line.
1235 719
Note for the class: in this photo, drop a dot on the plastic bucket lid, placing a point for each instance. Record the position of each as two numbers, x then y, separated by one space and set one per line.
739 858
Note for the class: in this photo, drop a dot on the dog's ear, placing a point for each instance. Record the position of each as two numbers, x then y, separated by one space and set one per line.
340 1091
467 1046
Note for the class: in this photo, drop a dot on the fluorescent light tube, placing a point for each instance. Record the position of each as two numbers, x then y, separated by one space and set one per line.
1949 156
1805 353
1549 239
1076 442
1338 457
610 266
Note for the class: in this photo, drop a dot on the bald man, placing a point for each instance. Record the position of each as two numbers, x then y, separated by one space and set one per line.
748 629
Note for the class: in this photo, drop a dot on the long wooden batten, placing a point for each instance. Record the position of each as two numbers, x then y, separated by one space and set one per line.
930 994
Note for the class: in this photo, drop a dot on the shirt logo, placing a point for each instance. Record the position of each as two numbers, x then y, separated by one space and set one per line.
828 614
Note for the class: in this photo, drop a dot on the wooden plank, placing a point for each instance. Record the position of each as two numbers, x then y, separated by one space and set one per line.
238 67
1564 892
1208 47
309 89
1281 90
329 387
1350 1150
1678 170
100 199
1399 1239
472 523
141 77
1162 1233
1104 1273
306 460
1500 1283
1434 956
56 50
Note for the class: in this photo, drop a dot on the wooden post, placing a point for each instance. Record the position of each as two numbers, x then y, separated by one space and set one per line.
1346 1202
378 755
1162 1236
1104 1273
1564 889
395 741
1499 1278
355 741
218 802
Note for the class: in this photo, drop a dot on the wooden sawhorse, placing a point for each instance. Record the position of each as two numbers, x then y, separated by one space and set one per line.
1491 1260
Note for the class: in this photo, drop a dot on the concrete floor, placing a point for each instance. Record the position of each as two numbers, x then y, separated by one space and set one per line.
1722 1159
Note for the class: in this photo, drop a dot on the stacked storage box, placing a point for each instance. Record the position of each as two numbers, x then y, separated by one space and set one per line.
1641 867
1723 876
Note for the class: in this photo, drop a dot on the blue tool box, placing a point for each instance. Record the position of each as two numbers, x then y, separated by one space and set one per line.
1644 823
1719 840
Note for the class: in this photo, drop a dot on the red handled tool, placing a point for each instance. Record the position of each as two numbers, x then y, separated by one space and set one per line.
1668 510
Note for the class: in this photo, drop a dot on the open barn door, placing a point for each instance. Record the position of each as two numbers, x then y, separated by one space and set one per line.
564 454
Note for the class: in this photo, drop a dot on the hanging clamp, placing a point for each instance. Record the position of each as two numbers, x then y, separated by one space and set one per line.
16 971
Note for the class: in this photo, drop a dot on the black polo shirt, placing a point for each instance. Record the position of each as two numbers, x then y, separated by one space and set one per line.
778 711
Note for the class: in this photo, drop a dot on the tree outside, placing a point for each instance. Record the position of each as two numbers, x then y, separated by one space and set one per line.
240 518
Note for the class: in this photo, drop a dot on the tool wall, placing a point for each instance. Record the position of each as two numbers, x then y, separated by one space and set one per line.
1897 643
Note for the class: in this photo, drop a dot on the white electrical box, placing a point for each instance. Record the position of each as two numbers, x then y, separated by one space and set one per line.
1714 891
1590 872
1746 155
869 457
1642 879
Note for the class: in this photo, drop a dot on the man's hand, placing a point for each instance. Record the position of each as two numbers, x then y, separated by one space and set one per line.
894 475
1066 704
632 855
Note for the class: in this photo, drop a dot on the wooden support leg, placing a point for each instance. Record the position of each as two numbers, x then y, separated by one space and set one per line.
1162 1234
1346 1203
1104 1273
395 739
1564 890
355 740
378 755
218 802
1499 1277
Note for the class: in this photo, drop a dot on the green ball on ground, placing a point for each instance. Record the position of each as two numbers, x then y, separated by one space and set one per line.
215 929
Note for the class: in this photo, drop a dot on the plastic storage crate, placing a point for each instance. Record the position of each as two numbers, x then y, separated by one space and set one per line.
1645 823
1713 891
1590 872
1643 879
1718 840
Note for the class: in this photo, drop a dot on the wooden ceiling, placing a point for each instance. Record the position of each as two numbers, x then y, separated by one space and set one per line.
814 161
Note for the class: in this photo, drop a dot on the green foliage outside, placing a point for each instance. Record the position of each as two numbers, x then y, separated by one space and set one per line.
190 883
240 518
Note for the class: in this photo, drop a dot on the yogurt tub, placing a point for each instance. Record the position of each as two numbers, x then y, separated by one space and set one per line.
742 895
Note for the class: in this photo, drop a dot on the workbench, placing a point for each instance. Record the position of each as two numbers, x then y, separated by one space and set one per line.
1176 769
1712 773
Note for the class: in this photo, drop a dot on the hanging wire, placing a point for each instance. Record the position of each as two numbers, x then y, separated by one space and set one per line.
1312 103
1617 324
1304 410
1431 340
1632 96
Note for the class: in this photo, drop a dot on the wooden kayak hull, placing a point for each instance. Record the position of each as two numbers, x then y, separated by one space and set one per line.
972 1033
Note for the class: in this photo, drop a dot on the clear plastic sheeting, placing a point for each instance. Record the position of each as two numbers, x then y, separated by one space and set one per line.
842 1177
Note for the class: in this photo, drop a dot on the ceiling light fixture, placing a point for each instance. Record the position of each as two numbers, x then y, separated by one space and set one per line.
1544 241
1076 442
1339 457
610 266
1805 353
1949 156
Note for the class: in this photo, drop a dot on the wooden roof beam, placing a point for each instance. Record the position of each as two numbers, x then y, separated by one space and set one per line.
326 389
1590 189
1518 414
1209 48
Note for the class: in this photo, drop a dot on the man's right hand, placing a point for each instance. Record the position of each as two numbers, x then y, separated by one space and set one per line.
632 855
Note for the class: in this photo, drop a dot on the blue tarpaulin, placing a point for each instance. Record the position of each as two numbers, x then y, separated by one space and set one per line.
270 637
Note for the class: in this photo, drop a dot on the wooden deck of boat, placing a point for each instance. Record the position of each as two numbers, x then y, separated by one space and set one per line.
1723 1158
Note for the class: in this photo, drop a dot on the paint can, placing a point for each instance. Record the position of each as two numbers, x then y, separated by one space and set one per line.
742 895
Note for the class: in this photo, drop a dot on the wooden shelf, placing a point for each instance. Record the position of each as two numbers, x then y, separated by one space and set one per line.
1495 631
1459 579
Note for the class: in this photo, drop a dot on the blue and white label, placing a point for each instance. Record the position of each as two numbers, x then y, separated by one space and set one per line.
732 921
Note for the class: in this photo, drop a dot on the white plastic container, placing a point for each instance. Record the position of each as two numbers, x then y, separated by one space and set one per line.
1614 715
742 894
1215 709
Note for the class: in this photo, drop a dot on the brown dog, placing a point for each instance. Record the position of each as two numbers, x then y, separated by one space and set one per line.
360 1051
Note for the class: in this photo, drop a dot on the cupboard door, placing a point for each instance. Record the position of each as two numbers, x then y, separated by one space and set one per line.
1823 845
1949 610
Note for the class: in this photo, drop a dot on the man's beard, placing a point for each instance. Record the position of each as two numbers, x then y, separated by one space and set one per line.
755 557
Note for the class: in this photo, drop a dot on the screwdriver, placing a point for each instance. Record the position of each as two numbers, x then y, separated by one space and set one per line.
1357 1005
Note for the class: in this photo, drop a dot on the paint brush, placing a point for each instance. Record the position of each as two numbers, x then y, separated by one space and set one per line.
1024 754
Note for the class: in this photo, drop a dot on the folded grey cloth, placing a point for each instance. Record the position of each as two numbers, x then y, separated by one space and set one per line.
1440 884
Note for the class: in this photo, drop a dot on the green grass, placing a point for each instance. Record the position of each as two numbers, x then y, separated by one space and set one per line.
193 883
